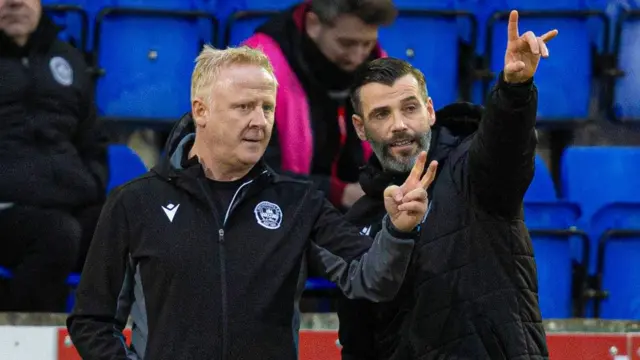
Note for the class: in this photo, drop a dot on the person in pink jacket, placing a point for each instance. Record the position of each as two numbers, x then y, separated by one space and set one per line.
315 47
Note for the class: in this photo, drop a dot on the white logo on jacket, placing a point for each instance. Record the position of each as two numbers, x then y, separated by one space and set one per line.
268 215
170 210
61 70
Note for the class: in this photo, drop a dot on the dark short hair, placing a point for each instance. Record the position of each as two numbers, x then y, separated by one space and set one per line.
371 12
383 71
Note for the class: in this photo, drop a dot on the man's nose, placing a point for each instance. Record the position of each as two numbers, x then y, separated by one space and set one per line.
398 123
359 54
258 118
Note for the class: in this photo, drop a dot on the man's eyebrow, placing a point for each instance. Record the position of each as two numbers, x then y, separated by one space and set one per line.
377 110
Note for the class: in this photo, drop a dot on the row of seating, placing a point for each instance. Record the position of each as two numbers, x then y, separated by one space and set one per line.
143 75
587 242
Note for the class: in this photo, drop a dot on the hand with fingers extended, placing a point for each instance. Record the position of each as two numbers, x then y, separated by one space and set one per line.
407 204
524 52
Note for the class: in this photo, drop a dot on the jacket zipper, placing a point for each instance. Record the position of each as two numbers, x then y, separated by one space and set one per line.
222 259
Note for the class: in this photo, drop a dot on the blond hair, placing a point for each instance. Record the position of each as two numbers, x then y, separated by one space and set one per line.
211 60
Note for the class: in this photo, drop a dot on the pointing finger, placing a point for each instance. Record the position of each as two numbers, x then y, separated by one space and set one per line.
512 29
428 178
549 35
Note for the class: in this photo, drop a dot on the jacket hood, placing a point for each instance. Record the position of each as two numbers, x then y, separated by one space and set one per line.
454 123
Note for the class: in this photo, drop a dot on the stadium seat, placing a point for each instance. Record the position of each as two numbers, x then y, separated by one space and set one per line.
551 225
124 165
565 90
626 97
145 57
244 16
438 30
73 21
618 268
594 177
541 188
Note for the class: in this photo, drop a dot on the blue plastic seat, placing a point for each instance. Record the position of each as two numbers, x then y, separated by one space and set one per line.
626 99
243 17
436 51
319 284
124 165
73 21
146 58
541 188
594 177
565 91
618 268
551 225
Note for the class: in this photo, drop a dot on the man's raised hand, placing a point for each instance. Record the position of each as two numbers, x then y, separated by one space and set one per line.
524 52
407 204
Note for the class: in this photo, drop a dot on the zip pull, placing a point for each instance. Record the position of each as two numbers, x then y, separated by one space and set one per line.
221 235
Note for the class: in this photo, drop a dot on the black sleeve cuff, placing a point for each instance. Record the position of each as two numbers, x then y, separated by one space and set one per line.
516 94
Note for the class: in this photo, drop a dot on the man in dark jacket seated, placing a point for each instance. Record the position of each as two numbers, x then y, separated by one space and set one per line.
53 169
471 290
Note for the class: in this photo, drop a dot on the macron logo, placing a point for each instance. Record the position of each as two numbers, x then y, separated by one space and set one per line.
366 230
170 210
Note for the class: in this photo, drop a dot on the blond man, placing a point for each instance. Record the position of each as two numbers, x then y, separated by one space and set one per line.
205 252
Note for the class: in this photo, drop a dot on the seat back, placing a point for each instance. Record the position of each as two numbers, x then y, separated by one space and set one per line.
618 265
124 165
73 21
549 225
541 188
626 102
147 73
438 35
594 177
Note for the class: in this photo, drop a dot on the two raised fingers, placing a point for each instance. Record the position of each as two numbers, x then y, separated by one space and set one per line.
430 175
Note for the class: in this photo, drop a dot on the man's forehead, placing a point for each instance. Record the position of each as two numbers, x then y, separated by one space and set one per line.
377 94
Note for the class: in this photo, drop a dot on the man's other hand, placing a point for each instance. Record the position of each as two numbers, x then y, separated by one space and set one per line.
407 204
524 52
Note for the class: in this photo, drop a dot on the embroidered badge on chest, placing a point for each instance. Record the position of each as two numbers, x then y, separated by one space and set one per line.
61 70
268 215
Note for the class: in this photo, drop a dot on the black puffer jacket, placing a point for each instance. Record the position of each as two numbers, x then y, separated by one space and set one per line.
50 151
471 292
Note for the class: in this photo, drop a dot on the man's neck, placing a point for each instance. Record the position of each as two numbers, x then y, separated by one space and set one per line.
216 170
21 41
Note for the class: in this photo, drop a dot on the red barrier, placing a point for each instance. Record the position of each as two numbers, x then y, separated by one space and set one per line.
321 345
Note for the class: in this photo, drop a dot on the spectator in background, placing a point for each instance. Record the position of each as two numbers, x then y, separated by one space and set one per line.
315 47
52 160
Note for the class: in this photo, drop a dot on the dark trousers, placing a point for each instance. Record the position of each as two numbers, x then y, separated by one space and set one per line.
41 247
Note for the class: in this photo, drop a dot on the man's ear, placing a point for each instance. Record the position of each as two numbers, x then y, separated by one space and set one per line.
358 124
199 112
431 111
312 25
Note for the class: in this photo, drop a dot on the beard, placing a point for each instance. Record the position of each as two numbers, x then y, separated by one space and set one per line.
400 163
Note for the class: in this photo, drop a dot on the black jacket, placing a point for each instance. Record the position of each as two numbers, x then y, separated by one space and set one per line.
52 153
201 284
471 291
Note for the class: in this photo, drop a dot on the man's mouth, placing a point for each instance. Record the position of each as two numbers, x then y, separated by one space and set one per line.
402 143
